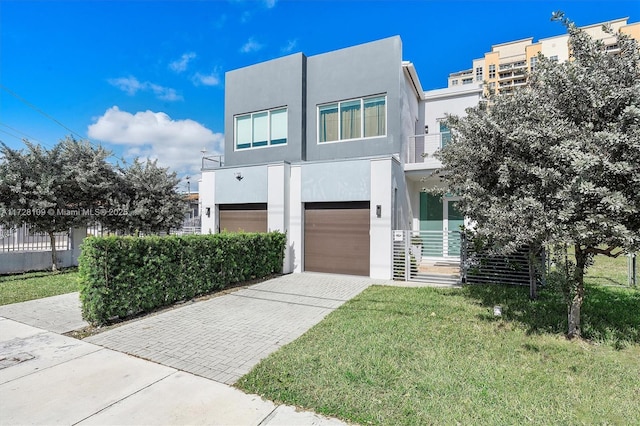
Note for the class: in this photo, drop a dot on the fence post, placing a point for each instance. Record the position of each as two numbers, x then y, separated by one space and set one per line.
76 236
407 255
633 272
463 258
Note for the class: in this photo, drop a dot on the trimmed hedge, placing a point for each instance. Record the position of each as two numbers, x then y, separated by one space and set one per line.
124 276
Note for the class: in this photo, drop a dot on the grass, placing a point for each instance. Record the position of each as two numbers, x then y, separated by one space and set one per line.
609 271
403 356
36 285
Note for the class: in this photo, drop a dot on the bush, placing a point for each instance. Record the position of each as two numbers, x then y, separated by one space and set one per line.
124 276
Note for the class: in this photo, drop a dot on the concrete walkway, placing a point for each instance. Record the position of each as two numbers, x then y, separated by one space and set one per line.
197 349
58 314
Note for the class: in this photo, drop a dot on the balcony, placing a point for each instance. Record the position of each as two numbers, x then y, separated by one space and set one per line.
421 150
211 162
461 73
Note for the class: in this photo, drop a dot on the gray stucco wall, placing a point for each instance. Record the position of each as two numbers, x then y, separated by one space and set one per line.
267 85
359 71
402 199
302 84
252 188
336 181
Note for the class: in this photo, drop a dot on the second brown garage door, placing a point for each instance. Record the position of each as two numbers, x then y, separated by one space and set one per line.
243 217
336 238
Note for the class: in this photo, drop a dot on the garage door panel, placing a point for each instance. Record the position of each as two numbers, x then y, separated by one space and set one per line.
247 219
337 238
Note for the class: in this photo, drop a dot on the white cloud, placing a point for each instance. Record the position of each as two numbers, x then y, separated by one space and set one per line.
251 46
288 48
131 86
165 93
175 143
180 65
212 79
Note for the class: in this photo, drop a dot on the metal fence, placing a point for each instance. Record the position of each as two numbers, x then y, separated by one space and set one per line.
483 267
14 239
427 256
192 227
449 257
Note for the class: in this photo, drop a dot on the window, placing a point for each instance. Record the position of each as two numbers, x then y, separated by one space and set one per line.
553 58
263 128
492 71
279 127
454 82
445 134
467 80
533 63
479 74
352 119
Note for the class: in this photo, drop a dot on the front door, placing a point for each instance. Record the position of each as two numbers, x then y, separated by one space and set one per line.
453 220
440 222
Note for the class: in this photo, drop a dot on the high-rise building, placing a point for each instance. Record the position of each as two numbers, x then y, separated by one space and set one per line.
505 67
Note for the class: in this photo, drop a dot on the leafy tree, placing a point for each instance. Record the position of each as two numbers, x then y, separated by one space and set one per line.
148 199
557 161
53 190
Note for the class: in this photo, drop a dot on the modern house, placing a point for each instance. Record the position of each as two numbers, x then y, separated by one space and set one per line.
334 149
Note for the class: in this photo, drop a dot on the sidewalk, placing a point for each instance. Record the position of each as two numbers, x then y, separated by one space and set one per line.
46 378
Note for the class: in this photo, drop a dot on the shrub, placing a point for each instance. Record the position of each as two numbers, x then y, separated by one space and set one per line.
124 276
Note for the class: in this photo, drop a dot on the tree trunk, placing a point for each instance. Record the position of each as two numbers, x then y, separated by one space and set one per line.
576 293
52 239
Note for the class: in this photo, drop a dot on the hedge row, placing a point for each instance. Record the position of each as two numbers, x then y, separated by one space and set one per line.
124 276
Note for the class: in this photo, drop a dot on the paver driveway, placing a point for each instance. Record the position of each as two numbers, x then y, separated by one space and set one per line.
224 337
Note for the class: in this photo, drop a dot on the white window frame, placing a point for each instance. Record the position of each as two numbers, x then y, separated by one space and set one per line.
362 121
269 133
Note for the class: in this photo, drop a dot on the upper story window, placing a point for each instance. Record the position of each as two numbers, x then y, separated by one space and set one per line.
262 128
445 133
352 119
479 74
492 71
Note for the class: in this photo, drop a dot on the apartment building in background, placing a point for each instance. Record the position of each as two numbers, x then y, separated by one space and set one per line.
506 66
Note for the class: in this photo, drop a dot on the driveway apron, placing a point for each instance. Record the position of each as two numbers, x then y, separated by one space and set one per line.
224 337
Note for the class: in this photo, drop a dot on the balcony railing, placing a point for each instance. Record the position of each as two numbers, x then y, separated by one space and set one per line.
422 147
212 162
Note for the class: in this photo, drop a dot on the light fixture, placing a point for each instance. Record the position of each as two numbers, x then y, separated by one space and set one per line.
378 210
239 176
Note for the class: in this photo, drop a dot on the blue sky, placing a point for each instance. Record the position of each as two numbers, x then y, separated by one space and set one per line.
146 78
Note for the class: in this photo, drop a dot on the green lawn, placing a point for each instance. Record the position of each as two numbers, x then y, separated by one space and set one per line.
36 285
397 356
609 271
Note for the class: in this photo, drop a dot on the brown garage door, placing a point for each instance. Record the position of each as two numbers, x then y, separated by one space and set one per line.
336 238
243 217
